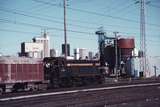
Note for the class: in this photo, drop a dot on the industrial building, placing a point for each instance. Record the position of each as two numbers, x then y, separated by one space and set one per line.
125 60
117 54
45 41
39 48
31 49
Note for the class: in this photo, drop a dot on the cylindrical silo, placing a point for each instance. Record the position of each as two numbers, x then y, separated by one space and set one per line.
126 47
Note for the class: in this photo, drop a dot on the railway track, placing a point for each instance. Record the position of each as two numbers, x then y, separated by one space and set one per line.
123 95
107 84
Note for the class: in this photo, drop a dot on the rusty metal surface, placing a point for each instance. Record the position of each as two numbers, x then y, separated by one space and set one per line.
16 69
126 52
19 60
126 43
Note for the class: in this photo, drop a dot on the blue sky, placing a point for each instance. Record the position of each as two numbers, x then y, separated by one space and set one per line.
51 15
21 20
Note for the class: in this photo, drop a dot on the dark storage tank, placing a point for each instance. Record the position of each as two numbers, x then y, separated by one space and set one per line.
109 56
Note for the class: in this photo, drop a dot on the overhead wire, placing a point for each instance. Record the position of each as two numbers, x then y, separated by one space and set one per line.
53 28
34 33
42 26
15 11
24 32
122 9
41 18
16 31
112 10
4 20
118 4
52 20
55 21
153 5
95 13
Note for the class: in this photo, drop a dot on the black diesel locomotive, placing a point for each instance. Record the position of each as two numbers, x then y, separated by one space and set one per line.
60 72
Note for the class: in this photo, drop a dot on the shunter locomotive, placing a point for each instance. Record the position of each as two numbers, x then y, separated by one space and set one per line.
63 73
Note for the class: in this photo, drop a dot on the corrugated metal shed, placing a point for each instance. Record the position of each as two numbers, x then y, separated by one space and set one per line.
20 69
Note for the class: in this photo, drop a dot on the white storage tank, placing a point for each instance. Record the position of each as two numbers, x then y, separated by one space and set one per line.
81 53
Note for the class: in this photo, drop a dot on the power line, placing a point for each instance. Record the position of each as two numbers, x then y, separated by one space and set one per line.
114 10
51 4
76 37
152 5
124 8
23 13
37 17
89 12
131 11
41 18
40 26
24 32
46 27
54 28
95 13
61 22
16 31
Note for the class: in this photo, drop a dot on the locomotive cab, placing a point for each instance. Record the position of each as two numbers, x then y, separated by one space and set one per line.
52 68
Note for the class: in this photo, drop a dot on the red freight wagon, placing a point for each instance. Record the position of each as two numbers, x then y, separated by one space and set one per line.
20 73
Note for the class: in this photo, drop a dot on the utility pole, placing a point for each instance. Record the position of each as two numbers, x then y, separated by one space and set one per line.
142 38
116 54
65 29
